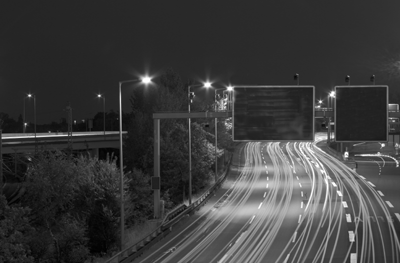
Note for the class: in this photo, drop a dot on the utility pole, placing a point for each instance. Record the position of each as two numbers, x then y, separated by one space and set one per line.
69 123
1 162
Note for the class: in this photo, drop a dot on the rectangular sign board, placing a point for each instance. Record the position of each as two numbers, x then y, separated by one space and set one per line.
361 113
273 113
393 107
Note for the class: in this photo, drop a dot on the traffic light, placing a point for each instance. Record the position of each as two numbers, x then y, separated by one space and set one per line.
191 96
373 79
347 79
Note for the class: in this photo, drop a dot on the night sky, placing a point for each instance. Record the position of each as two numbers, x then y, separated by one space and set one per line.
68 51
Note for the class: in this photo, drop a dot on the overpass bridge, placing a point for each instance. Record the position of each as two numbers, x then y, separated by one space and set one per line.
89 141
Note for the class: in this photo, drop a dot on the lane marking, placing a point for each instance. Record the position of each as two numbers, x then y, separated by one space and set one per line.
287 258
300 184
389 204
362 177
260 205
301 193
301 204
328 177
294 236
344 204
380 193
297 177
251 221
348 218
299 219
267 178
223 258
265 193
266 186
339 193
371 184
351 236
334 185
398 216
353 258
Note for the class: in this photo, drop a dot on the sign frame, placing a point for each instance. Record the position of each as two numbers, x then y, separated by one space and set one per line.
282 87
387 112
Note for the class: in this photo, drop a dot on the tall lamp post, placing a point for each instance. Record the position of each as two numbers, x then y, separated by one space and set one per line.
144 80
104 112
216 134
34 113
229 90
331 96
190 97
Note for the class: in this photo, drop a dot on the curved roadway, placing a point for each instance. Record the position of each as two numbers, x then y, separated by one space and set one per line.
291 203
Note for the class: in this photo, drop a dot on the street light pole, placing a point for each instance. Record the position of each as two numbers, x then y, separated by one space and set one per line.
23 121
207 85
104 113
1 161
34 114
190 147
216 135
145 80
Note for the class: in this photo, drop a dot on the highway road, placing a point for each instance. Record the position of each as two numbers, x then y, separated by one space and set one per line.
292 202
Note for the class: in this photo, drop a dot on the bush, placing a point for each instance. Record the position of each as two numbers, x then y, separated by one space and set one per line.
14 233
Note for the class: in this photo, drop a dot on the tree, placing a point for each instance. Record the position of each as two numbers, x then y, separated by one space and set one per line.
15 231
75 206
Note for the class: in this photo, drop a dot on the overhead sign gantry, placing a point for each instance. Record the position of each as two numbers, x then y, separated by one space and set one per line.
273 113
361 113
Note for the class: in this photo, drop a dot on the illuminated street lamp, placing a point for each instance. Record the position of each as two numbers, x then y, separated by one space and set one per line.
190 100
144 80
28 96
331 96
216 134
100 96
229 89
34 114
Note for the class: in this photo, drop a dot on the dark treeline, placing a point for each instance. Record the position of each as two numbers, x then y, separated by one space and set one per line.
69 205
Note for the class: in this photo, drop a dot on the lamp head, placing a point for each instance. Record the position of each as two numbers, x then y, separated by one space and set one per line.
207 84
229 88
146 80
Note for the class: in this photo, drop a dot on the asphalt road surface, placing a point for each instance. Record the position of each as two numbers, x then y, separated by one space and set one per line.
293 202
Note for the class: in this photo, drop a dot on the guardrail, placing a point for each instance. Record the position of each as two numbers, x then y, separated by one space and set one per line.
165 228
